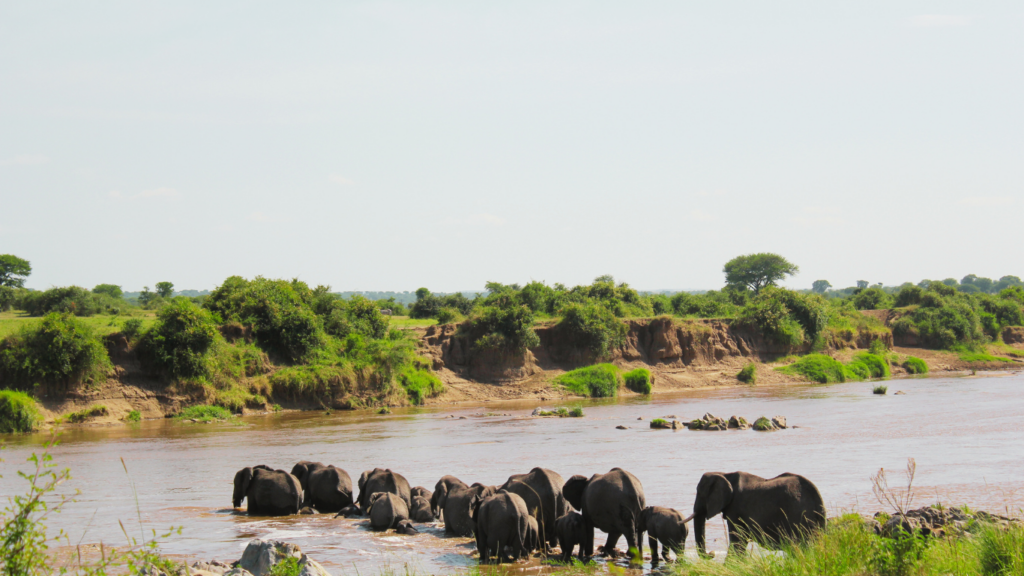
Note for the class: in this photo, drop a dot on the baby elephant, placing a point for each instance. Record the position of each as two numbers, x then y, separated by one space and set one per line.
387 510
571 530
663 525
420 510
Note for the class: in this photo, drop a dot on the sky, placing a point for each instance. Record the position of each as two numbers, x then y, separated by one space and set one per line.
393 145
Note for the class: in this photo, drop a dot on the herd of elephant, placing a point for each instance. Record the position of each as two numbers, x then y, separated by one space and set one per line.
539 509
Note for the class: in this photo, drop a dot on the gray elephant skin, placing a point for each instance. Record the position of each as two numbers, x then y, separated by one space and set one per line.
532 541
611 502
326 488
378 480
268 492
421 491
664 525
420 510
571 531
387 510
501 520
767 510
457 519
441 489
541 489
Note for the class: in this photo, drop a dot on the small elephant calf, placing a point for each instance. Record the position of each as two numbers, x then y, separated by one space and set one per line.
663 525
420 510
572 530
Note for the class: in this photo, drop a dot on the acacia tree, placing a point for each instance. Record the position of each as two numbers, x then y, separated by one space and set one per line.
821 286
13 271
165 289
755 271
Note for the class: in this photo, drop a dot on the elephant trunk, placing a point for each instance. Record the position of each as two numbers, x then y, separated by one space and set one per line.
698 533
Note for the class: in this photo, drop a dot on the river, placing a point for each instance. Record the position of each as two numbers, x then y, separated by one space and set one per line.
965 433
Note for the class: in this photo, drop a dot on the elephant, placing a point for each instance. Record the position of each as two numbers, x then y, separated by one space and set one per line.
377 480
325 488
269 492
349 511
387 510
611 502
542 491
420 510
769 511
441 489
500 520
532 541
572 530
406 527
457 520
421 491
664 525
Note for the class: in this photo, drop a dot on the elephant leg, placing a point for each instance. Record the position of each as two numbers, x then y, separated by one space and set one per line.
633 544
587 544
609 545
737 540
654 549
481 546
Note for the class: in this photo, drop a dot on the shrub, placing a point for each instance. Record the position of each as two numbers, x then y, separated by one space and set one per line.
448 316
68 299
699 305
748 374
871 299
204 413
419 384
816 367
908 295
133 416
915 365
576 412
768 313
61 349
592 327
880 389
597 381
18 412
877 347
313 382
181 339
506 326
131 328
638 380
874 366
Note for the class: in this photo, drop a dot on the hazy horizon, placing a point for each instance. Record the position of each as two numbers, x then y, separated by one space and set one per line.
375 145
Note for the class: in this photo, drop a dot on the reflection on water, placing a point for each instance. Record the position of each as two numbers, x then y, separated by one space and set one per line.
965 434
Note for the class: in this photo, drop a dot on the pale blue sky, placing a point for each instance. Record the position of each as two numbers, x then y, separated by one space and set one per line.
390 145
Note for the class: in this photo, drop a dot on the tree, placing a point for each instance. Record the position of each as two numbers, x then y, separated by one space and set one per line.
755 271
422 293
165 289
13 271
112 290
862 284
820 286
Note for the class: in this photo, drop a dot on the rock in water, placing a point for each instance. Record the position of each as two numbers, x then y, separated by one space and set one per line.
307 510
780 422
621 427
763 424
261 556
739 423
213 567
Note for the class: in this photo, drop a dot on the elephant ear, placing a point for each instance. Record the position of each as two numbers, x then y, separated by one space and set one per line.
474 506
573 490
242 479
362 480
645 515
376 496
719 495
299 471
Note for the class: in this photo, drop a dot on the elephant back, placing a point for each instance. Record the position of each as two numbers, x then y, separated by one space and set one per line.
609 498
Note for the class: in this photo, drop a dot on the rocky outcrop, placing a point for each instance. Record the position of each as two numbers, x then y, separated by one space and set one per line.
709 422
763 424
260 557
929 521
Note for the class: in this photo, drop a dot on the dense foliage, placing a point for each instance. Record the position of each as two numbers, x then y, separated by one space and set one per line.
60 349
638 380
180 341
597 381
18 412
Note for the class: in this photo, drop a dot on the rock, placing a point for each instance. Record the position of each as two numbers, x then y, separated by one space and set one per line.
238 572
621 427
307 510
763 424
198 572
670 417
738 422
659 423
708 422
677 425
695 424
211 566
260 556
639 417
780 422
310 567
899 393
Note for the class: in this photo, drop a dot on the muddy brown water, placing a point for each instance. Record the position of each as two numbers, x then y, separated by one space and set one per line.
966 435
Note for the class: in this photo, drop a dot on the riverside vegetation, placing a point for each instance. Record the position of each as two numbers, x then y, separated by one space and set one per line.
251 343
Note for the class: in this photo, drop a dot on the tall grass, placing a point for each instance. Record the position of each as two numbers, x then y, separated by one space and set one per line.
826 370
18 412
597 381
638 380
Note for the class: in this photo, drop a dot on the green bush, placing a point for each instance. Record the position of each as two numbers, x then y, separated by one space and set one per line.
880 389
312 382
131 328
769 314
638 380
506 326
60 349
448 316
133 416
597 381
872 299
876 366
592 327
85 414
204 413
915 365
18 412
748 374
700 306
576 412
419 384
816 367
180 341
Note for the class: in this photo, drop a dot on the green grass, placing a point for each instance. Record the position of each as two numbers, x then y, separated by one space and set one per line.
564 412
915 365
868 365
981 357
18 412
406 322
748 374
597 381
102 324
133 416
638 380
816 367
85 414
204 413
880 389
659 423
